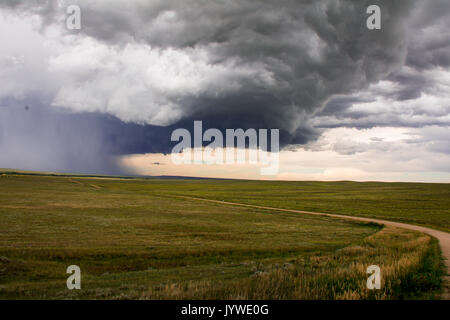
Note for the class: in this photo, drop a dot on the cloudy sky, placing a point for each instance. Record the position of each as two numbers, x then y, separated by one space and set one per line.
350 103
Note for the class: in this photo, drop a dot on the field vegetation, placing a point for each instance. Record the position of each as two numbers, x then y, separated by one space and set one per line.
134 239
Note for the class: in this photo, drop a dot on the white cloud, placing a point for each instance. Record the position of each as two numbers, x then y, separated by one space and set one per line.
135 82
379 104
138 83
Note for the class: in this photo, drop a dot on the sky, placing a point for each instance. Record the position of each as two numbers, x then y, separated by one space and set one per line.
350 103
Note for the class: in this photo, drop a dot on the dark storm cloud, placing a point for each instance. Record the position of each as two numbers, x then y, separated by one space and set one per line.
308 50
340 106
34 137
430 44
239 64
427 60
407 98
411 86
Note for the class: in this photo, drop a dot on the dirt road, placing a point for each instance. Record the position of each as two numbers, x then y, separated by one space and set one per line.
443 237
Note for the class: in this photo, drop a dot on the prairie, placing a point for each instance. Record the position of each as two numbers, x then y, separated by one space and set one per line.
134 239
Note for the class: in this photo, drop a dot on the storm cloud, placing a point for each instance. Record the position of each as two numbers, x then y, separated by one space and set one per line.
143 68
416 95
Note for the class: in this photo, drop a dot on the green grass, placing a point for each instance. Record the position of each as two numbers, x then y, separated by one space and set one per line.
132 239
423 204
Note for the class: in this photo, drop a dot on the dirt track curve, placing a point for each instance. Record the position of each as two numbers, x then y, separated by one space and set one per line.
443 237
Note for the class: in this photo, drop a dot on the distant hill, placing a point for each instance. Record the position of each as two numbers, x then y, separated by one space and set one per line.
59 174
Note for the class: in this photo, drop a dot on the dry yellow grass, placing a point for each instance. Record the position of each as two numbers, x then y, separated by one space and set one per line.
342 275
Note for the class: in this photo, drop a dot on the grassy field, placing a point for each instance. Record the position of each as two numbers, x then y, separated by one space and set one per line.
423 204
133 239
